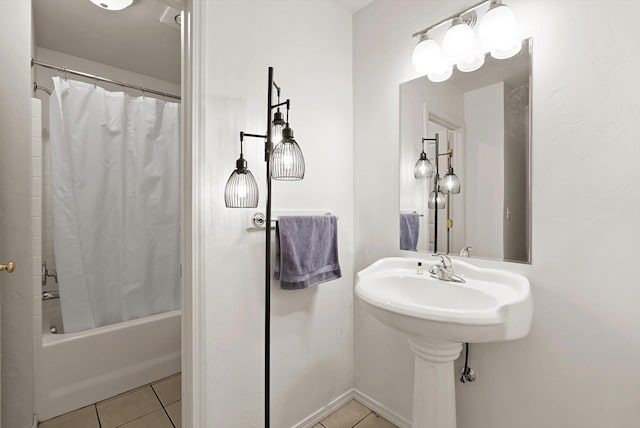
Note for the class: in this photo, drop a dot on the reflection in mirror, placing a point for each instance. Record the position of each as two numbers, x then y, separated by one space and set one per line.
465 162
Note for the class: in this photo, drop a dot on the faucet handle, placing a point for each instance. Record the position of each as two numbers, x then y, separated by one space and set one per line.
446 261
465 252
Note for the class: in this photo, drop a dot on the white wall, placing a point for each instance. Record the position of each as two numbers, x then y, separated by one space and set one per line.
484 180
309 44
16 226
576 368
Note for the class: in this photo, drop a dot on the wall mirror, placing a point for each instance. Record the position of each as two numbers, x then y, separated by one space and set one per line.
482 123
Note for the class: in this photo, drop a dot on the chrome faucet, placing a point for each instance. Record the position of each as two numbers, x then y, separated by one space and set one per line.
444 271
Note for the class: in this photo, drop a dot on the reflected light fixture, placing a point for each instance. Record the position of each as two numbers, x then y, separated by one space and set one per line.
434 201
285 162
424 167
112 4
461 46
450 183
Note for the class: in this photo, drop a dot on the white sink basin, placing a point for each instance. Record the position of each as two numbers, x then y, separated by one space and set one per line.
492 305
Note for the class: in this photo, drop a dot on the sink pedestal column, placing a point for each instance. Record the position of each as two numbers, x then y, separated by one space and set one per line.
434 395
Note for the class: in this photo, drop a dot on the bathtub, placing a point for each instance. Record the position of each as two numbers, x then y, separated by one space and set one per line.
77 369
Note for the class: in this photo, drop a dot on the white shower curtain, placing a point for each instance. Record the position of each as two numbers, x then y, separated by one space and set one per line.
115 183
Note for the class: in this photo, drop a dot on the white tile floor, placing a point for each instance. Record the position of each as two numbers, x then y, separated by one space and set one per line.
157 405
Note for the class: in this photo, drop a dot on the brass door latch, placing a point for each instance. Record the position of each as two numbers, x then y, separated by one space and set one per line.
9 267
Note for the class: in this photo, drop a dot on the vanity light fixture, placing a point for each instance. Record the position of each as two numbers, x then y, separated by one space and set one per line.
285 162
462 47
112 4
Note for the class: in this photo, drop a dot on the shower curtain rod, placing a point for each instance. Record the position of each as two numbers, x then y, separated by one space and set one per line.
97 78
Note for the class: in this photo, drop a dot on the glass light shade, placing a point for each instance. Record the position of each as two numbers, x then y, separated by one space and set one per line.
428 57
441 77
287 159
241 190
112 4
471 63
496 26
277 126
424 168
458 41
439 201
508 50
450 183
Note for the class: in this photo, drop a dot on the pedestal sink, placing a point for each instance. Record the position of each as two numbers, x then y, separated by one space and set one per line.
439 316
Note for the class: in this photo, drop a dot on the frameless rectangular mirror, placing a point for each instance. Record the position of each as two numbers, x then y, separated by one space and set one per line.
476 126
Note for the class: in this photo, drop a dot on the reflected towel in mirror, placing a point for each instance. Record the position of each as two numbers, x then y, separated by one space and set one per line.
409 231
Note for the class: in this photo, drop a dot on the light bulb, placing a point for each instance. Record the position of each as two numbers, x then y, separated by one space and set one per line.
458 41
241 191
497 26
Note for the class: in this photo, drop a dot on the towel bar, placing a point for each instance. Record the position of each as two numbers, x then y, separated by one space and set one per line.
258 220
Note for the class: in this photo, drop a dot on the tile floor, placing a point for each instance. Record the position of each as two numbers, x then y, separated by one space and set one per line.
354 415
157 405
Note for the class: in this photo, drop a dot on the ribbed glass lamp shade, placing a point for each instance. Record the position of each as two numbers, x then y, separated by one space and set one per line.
450 183
458 41
424 168
112 4
287 161
440 201
241 190
497 29
277 126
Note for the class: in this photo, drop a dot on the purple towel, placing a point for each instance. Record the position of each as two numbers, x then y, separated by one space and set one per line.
409 231
306 251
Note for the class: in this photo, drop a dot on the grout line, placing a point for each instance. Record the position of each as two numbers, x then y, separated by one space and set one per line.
97 415
163 406
365 417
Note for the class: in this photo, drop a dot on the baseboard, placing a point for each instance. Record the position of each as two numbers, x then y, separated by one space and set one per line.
322 413
378 408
